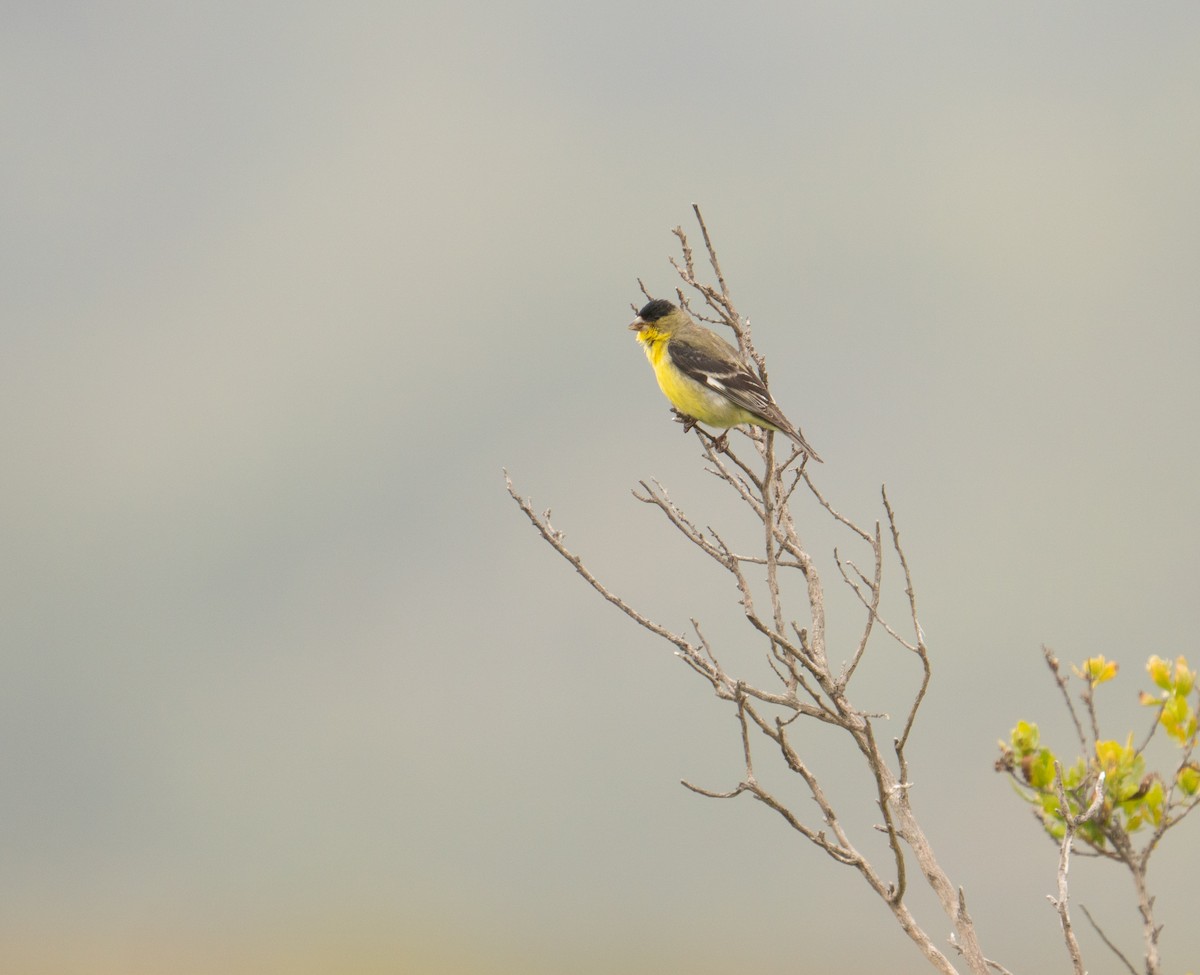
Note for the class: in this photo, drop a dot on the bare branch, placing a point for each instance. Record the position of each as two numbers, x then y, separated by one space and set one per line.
1154 722
876 588
872 603
1104 937
555 538
838 516
963 913
1072 824
712 795
658 497
796 647
920 649
1150 930
1061 681
712 252
885 787
994 965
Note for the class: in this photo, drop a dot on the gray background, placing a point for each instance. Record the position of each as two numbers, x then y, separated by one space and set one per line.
287 682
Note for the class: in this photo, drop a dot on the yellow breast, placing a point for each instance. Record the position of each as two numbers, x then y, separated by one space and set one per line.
686 394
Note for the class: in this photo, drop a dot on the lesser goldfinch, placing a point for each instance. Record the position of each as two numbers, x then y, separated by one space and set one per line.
703 375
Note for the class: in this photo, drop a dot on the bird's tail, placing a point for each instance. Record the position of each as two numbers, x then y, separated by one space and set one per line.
803 444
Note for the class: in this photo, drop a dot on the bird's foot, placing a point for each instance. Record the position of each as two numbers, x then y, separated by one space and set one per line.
688 421
721 443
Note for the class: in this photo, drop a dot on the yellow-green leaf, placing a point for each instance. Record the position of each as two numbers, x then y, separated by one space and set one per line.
1185 679
1189 779
1025 738
1160 672
1097 670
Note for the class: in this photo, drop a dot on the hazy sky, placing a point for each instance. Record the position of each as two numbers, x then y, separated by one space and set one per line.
288 683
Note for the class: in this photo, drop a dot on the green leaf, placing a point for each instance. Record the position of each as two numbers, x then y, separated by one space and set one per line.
1024 738
1160 672
1189 779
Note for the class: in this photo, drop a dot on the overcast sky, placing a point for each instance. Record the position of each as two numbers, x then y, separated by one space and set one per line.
287 682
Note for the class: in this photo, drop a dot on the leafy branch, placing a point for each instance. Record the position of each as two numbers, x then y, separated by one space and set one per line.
1106 798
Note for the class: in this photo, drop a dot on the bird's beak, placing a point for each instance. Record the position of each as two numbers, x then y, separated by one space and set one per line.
637 324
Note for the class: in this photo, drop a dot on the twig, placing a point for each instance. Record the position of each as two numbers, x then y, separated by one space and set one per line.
1072 824
920 649
876 589
1104 937
555 538
1061 681
842 519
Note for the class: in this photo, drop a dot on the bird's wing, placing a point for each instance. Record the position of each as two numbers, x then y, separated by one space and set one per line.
732 379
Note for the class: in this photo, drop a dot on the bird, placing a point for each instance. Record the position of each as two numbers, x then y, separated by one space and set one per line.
704 377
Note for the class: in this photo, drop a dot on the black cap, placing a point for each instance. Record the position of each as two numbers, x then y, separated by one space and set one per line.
656 309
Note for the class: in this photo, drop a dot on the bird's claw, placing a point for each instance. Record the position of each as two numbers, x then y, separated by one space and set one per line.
720 444
688 421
